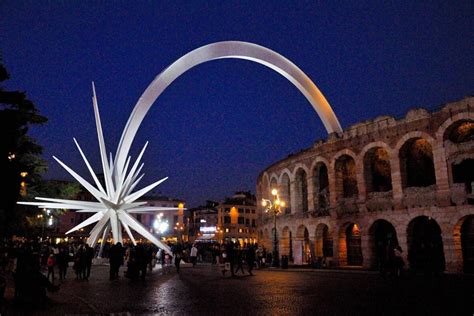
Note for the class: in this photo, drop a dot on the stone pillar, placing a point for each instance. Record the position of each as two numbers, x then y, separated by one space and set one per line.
441 172
298 252
310 186
367 253
403 243
449 248
336 248
293 198
361 187
397 189
332 186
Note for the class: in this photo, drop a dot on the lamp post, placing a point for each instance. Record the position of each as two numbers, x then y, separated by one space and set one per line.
179 229
274 208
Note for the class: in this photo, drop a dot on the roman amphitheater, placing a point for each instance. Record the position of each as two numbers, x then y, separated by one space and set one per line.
407 181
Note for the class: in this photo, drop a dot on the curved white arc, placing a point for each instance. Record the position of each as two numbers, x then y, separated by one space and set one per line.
220 50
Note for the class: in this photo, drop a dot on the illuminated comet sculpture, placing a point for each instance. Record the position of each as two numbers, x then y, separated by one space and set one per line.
117 200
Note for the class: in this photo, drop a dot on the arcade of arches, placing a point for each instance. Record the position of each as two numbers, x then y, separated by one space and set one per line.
381 184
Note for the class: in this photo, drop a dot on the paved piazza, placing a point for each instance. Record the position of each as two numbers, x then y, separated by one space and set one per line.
203 291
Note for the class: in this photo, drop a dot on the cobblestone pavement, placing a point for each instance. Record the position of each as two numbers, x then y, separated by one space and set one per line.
204 291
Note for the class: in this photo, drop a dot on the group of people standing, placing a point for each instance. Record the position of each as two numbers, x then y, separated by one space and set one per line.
234 257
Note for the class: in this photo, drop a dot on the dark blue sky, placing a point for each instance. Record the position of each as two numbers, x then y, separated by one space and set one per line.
221 123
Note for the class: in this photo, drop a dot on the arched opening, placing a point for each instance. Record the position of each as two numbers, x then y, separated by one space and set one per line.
463 176
286 243
458 138
416 163
303 251
285 192
382 240
346 181
377 172
321 189
350 245
301 190
425 245
460 132
324 243
467 244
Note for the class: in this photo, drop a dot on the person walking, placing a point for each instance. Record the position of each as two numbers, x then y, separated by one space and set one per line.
63 262
230 254
178 253
250 257
116 253
193 255
239 259
88 256
50 264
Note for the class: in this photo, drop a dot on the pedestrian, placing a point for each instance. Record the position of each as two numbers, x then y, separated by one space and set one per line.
398 264
193 255
250 259
178 254
63 262
50 264
116 254
239 259
230 253
88 256
79 263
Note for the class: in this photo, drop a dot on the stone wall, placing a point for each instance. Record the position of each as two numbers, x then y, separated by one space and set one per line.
443 205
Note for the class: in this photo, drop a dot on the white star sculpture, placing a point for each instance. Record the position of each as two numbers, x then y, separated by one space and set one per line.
116 202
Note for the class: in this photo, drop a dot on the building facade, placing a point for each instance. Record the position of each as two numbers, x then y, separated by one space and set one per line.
237 219
408 182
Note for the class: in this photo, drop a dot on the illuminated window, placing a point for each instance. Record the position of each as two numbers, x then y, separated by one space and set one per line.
240 230
227 230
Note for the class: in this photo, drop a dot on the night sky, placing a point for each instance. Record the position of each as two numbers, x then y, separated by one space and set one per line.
220 124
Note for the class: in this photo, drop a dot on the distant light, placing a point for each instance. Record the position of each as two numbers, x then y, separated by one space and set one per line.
203 221
50 221
264 203
181 205
274 192
162 227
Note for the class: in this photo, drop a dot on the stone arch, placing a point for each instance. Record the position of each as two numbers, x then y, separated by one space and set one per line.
382 238
220 50
416 162
377 168
285 191
323 242
301 190
350 245
425 245
346 176
302 249
446 124
320 179
464 243
456 135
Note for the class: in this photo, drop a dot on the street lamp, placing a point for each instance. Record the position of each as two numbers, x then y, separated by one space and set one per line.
179 229
274 208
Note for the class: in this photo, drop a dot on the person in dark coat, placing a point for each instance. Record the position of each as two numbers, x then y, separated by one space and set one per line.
88 256
116 253
178 255
250 257
230 252
63 262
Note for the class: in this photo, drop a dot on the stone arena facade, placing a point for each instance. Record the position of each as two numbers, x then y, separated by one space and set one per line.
408 182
